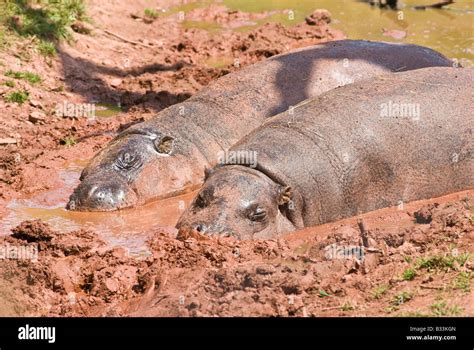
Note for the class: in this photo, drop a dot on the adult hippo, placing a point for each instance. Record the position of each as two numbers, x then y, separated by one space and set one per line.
166 155
368 145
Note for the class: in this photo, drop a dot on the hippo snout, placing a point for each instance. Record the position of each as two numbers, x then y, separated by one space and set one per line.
104 196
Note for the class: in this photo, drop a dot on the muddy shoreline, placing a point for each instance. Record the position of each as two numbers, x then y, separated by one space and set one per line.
187 274
84 272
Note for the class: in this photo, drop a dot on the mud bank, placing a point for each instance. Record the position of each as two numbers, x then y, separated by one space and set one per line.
415 261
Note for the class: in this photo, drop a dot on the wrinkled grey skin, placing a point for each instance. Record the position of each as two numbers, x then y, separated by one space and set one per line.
235 196
166 155
319 165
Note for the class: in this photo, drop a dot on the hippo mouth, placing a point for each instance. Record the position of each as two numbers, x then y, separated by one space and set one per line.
102 196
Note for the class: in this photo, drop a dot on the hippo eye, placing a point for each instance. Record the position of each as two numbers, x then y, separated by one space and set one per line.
258 215
128 161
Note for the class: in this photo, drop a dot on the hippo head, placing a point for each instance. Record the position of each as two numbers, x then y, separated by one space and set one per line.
241 202
139 163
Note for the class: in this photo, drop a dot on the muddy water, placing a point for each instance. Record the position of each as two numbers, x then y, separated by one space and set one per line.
125 228
449 30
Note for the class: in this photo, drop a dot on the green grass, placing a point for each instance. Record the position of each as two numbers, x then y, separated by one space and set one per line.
4 42
347 306
151 13
441 308
409 274
442 262
9 83
50 20
379 291
463 258
47 48
463 281
402 298
412 314
68 141
323 294
19 96
28 76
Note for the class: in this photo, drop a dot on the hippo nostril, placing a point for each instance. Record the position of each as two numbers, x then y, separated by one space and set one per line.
200 228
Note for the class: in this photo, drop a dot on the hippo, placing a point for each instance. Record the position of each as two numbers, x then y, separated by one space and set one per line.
166 155
372 144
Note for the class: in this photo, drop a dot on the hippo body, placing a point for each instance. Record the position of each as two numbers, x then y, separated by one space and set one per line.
372 144
166 155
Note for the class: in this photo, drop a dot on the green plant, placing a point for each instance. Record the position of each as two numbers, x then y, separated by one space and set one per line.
28 76
402 298
151 13
409 274
379 291
347 306
48 20
463 258
323 294
9 83
441 308
68 141
19 96
47 48
463 281
412 314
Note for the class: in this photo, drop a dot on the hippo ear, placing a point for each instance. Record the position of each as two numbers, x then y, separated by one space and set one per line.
284 195
207 172
164 144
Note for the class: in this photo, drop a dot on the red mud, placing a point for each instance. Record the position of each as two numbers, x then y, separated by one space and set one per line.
187 274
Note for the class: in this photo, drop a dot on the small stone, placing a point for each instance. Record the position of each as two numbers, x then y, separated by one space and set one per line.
37 104
318 17
36 117
112 285
8 141
116 82
82 27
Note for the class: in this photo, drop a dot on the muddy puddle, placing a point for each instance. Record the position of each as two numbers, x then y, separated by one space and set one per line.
449 30
125 228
